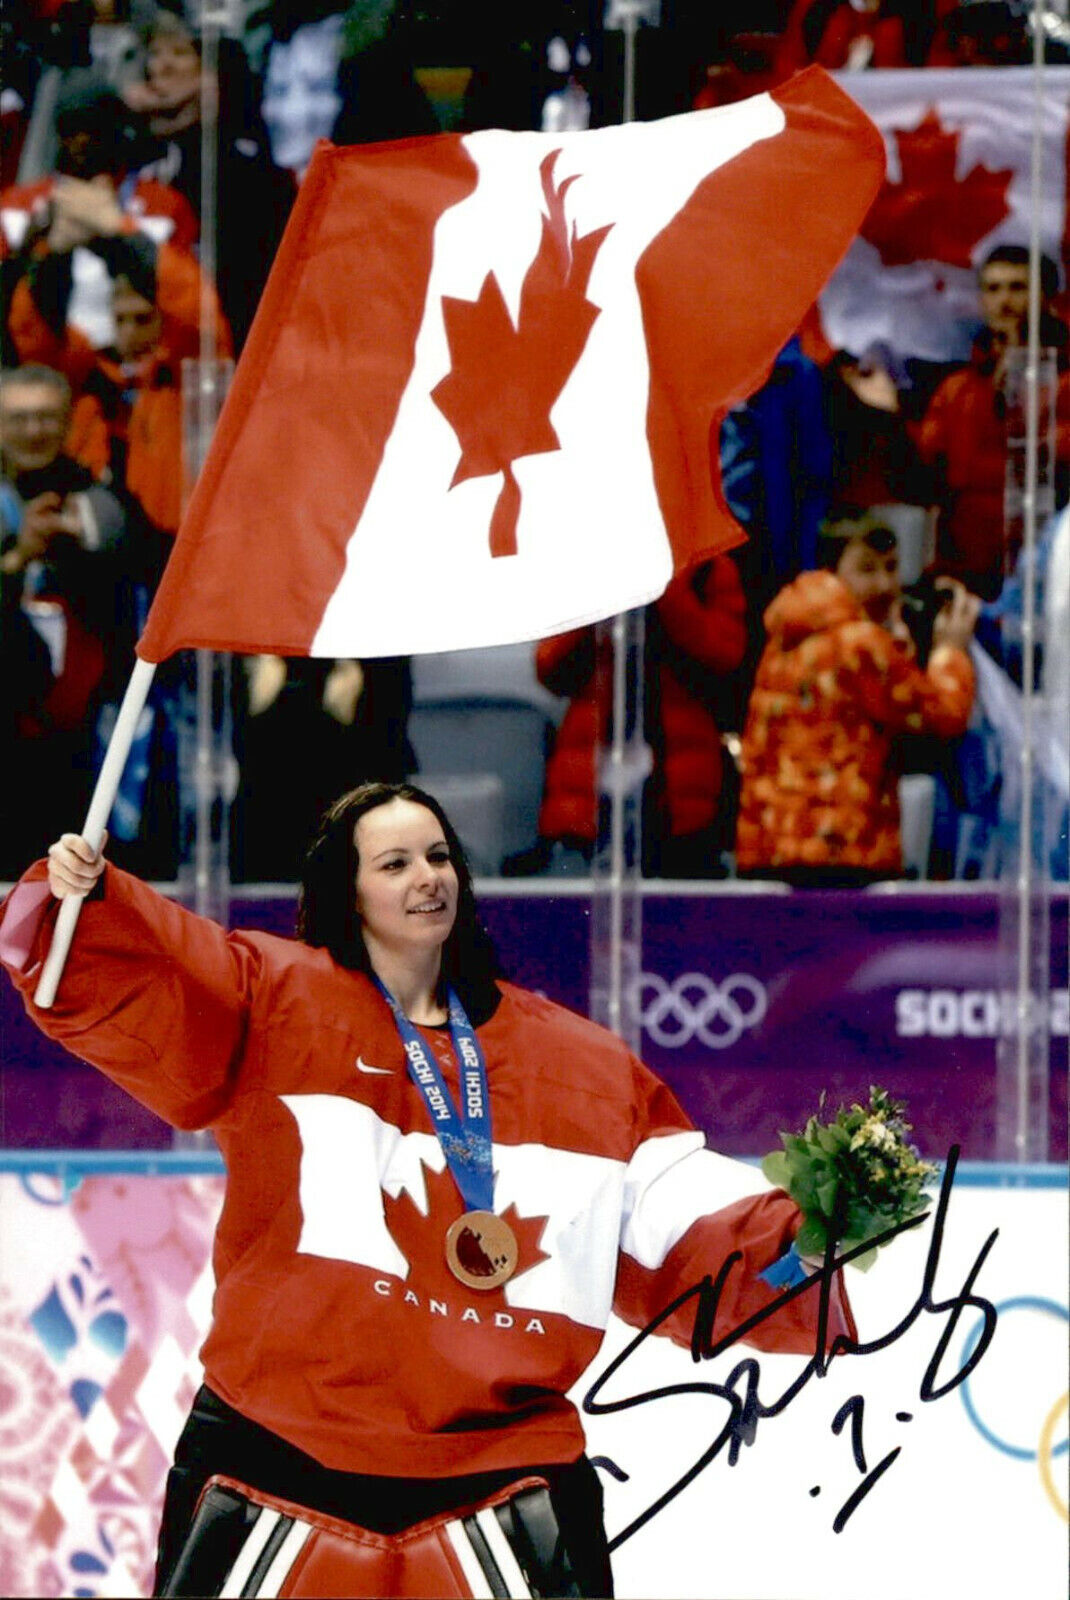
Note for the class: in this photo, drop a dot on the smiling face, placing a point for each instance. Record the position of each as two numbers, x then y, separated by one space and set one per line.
406 883
33 423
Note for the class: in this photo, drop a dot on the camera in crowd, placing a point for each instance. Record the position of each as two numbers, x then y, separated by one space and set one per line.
920 604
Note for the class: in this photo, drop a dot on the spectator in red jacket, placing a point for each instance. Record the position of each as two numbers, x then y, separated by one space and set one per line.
851 34
93 190
963 434
695 635
158 297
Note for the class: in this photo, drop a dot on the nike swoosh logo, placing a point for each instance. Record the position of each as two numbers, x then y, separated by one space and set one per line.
362 1066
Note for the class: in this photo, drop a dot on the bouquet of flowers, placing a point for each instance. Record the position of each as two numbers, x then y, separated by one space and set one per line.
853 1178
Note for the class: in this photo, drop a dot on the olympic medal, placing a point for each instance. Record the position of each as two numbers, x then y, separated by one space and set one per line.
481 1250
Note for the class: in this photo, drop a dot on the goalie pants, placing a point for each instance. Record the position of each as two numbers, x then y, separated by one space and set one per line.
217 1440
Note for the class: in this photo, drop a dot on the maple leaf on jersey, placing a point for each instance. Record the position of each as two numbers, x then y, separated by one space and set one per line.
504 380
930 214
422 1238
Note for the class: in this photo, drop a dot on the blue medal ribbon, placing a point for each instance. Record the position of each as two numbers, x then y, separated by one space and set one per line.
464 1135
786 1271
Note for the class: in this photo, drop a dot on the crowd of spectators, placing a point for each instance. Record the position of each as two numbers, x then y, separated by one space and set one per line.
787 686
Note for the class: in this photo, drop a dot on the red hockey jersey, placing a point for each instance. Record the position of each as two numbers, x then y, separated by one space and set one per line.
337 1323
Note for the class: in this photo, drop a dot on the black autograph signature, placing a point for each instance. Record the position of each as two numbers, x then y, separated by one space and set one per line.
741 1392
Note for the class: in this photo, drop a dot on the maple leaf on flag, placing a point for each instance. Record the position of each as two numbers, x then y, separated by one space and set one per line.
930 214
409 1228
504 380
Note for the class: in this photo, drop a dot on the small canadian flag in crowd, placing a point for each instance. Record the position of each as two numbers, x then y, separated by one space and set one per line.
959 182
480 402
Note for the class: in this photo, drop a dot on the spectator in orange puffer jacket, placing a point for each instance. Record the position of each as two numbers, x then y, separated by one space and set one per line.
695 634
819 804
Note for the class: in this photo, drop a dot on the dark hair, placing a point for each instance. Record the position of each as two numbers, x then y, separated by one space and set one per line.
1017 255
88 107
327 914
836 532
139 275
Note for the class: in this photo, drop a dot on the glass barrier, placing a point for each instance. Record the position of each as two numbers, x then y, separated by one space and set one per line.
618 818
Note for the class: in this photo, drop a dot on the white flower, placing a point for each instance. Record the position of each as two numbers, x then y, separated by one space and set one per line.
875 1134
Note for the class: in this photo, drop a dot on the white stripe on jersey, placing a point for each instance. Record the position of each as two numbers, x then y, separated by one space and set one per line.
250 1554
502 1551
348 1156
475 1577
670 1183
16 225
594 1205
285 1556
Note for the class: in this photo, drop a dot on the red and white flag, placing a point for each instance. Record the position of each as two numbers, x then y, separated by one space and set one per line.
476 404
959 182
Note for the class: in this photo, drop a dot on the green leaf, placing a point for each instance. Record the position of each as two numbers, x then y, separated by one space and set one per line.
826 1196
859 1222
775 1168
811 1237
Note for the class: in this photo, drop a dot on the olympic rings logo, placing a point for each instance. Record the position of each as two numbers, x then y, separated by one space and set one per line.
1046 1449
693 1006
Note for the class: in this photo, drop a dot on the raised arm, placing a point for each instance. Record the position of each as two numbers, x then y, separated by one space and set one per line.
157 998
899 695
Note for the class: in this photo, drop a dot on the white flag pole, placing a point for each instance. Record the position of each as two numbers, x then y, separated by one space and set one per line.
107 788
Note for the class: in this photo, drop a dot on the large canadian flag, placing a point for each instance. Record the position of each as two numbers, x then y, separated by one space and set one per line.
959 182
478 400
